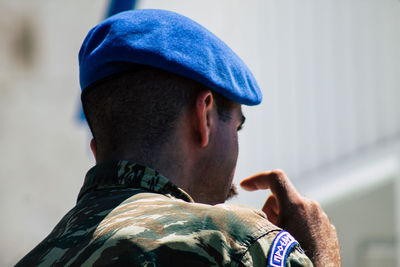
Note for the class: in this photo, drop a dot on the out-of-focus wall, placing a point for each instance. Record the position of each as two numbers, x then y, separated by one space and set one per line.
329 71
43 150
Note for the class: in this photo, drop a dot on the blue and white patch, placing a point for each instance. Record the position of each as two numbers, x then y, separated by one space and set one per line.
280 249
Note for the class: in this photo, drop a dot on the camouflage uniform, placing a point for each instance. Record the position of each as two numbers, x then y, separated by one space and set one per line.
129 214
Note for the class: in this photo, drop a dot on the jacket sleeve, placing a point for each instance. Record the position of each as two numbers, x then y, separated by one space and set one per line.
257 255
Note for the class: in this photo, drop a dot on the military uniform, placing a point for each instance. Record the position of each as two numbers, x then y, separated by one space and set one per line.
131 215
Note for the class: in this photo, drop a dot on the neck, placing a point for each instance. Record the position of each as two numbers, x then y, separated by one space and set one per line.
171 161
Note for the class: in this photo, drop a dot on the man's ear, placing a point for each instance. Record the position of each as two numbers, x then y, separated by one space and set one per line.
93 148
203 114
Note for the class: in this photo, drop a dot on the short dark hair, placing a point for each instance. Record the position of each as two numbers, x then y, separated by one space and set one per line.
141 108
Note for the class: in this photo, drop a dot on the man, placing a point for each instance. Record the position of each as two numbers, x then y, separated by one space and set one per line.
163 97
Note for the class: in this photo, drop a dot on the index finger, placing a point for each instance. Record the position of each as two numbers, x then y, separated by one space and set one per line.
277 181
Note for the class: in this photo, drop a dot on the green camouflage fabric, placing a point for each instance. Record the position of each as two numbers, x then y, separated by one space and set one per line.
130 215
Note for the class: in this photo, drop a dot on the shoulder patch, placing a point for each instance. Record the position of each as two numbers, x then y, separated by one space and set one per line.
280 249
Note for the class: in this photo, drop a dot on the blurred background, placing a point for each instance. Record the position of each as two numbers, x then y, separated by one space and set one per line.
330 74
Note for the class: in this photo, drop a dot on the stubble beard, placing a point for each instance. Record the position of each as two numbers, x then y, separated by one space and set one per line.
233 192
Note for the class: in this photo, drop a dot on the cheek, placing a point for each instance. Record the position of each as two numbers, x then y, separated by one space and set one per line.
232 152
234 145
227 149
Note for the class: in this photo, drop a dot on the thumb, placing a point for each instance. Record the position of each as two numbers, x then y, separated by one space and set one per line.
271 209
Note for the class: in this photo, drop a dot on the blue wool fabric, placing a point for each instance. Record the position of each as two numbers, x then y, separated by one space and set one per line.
168 41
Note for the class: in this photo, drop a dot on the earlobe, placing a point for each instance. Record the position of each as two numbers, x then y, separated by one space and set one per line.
204 106
93 148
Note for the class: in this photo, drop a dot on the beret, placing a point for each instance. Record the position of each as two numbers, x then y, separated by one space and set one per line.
168 41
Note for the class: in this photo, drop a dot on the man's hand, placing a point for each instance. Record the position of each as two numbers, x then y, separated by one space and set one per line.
302 217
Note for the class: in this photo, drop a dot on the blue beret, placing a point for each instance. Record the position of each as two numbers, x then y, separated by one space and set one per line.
169 41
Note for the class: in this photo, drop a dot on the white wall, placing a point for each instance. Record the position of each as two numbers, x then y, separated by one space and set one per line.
43 150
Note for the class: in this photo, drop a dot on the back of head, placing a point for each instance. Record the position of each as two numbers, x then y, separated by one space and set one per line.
136 109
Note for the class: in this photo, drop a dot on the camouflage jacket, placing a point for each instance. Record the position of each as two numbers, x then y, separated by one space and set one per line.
130 215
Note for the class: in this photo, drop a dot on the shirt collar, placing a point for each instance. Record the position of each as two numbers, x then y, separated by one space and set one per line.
125 174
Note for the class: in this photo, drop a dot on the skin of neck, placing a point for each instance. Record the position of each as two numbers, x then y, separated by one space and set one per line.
186 158
171 160
176 159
